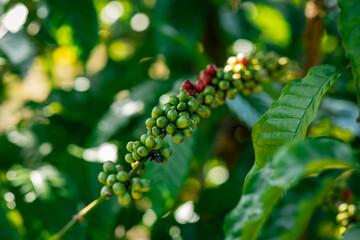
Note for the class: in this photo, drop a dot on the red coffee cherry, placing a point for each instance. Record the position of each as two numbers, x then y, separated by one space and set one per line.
191 92
243 61
187 85
200 85
211 69
205 76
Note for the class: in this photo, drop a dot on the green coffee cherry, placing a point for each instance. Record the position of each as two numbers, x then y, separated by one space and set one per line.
122 176
203 111
134 164
173 100
119 188
192 124
195 118
161 122
143 151
165 152
156 112
129 158
119 168
220 94
149 132
124 199
146 185
183 96
209 90
220 73
224 85
158 144
109 167
238 84
170 128
177 137
136 184
192 105
136 156
129 146
182 122
228 75
246 74
136 145
172 115
208 99
231 93
106 191
102 176
150 122
110 180
181 106
199 98
186 114
165 144
150 142
187 132
156 131
143 138
215 81
166 108
142 170
215 103
136 194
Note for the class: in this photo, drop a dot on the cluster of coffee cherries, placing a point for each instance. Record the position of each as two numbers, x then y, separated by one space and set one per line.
117 181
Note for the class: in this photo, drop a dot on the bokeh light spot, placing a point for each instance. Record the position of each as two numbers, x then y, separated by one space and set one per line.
139 22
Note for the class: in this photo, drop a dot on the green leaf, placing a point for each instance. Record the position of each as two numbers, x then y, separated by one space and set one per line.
353 232
349 27
10 223
167 180
288 118
284 171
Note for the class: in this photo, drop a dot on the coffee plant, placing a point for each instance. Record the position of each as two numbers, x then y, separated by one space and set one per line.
100 100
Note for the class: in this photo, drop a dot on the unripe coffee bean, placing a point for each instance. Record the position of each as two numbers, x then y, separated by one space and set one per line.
158 143
150 142
129 146
161 122
143 138
208 99
177 137
110 180
231 93
203 111
109 167
150 122
173 100
136 194
143 151
186 114
228 75
136 145
181 106
224 85
136 156
220 73
192 105
166 152
124 199
106 191
182 122
102 176
187 132
142 170
119 188
156 112
156 131
146 185
122 176
209 90
170 128
183 96
172 115
129 158
195 118
136 183
166 108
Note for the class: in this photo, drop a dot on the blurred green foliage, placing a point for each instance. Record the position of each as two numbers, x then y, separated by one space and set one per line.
78 79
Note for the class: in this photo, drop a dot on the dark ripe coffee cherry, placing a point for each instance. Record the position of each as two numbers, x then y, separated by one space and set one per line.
109 167
228 75
119 188
136 194
158 143
110 180
192 105
102 177
156 131
186 114
129 146
187 132
166 108
208 99
187 85
209 90
220 73
191 92
237 84
158 158
129 158
136 156
220 94
143 138
165 152
122 176
161 122
199 98
142 170
150 142
119 168
146 185
136 183
195 118
211 69
243 61
124 199
203 111
136 145
172 115
143 151
173 100
170 128
181 106
215 103
215 81
106 191
150 122
177 137
200 85
205 76
133 165
224 85
156 112
231 93
183 96
182 122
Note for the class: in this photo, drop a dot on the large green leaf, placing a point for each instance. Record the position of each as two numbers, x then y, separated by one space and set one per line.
287 167
353 232
289 117
168 179
349 27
